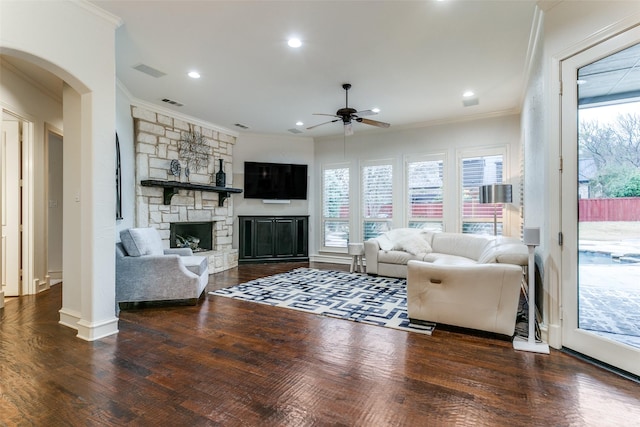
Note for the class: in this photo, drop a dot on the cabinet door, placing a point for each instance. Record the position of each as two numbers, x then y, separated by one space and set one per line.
246 238
284 237
302 244
263 235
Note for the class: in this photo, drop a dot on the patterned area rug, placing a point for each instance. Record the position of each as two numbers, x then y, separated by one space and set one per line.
378 301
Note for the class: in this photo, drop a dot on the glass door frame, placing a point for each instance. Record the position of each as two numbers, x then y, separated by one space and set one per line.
610 352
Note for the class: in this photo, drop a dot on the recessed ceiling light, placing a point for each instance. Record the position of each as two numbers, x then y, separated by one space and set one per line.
194 74
298 123
294 42
581 81
468 94
375 110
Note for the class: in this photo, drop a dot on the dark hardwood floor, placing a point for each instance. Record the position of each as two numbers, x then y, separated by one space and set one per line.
232 363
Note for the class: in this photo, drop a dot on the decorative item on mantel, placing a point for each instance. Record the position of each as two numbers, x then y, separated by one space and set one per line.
195 150
221 177
175 168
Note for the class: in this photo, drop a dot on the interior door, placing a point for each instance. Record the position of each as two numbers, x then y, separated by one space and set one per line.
11 248
600 287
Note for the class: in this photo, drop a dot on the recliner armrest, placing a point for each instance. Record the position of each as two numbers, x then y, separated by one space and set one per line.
179 251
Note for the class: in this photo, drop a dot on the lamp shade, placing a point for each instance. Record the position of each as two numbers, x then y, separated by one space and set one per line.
495 193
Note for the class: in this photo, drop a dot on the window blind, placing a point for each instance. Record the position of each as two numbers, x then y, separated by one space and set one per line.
335 207
377 199
425 191
477 171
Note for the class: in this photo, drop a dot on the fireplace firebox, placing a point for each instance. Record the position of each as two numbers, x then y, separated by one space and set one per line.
196 235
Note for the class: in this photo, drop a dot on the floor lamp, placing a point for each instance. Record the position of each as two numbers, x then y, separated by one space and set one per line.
531 239
495 193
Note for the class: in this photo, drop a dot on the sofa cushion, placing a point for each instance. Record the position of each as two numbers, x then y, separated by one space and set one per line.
396 257
141 241
446 259
506 250
195 264
465 245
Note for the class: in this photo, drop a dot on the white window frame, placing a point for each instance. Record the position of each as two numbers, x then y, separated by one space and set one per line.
406 201
502 150
347 221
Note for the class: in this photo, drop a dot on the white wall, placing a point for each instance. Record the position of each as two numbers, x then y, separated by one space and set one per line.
275 149
397 144
82 53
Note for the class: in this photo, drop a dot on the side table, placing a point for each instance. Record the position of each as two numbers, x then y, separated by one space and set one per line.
356 250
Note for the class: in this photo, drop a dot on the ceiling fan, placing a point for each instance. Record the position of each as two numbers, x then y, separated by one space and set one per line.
348 115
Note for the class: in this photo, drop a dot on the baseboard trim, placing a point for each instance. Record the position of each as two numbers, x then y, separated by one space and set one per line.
55 274
333 259
69 318
89 331
553 335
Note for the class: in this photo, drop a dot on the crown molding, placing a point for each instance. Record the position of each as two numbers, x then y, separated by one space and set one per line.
114 20
171 113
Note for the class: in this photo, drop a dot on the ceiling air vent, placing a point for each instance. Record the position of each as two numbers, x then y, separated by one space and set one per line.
294 130
470 102
149 70
241 126
172 102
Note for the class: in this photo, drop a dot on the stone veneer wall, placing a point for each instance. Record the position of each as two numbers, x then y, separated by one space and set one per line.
157 138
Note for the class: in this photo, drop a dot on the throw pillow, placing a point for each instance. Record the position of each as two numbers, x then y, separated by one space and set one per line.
415 245
141 241
384 242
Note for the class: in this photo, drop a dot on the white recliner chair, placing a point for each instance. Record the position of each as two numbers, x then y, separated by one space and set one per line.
480 296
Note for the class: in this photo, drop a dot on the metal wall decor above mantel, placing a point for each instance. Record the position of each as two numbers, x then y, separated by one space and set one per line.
172 187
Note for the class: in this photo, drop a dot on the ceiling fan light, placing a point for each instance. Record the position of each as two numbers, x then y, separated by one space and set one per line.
348 129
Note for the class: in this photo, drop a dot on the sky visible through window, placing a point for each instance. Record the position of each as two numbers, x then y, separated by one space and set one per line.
609 113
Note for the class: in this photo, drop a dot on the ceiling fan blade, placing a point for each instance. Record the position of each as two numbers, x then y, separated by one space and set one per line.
373 122
320 124
366 113
323 114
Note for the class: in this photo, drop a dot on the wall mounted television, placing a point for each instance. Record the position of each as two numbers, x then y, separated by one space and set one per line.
275 181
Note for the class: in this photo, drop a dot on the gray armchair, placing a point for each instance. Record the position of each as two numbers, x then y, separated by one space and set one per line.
147 272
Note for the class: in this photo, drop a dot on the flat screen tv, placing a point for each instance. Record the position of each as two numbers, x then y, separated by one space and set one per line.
275 181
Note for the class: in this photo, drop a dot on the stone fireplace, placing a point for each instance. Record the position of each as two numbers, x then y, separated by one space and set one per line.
157 143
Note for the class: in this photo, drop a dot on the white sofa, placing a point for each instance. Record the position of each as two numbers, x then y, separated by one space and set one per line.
457 279
389 253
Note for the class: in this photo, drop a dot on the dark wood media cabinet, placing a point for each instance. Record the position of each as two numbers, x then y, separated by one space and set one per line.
273 238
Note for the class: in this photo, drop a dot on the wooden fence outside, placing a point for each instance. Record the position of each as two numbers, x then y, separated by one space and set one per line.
620 209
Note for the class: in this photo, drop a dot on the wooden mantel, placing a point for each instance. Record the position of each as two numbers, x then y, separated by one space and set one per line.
172 187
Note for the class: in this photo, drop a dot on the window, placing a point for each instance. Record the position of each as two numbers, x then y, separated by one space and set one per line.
425 188
476 171
377 199
335 207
